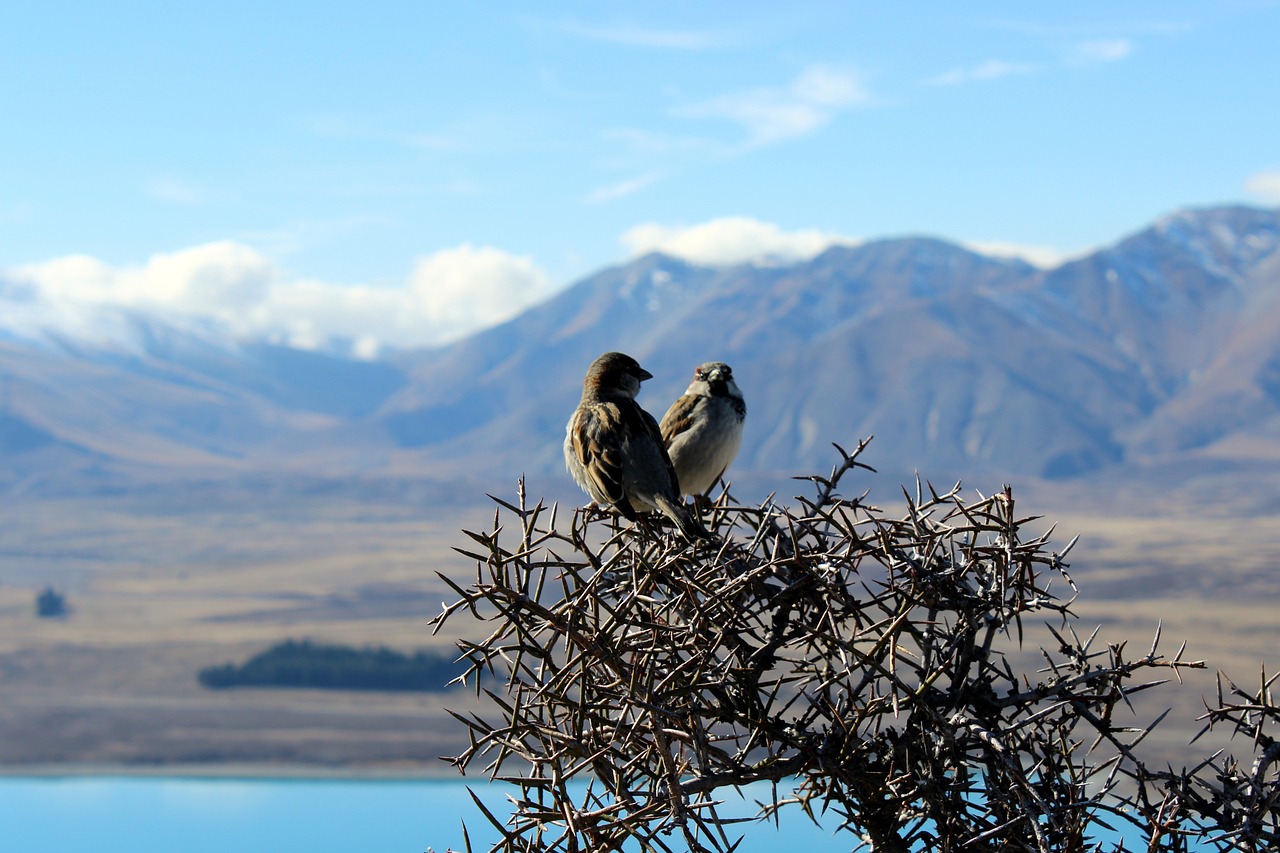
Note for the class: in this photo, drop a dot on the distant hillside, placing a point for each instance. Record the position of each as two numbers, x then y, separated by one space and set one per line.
1159 352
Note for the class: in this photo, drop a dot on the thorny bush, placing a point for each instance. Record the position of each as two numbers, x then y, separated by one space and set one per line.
858 665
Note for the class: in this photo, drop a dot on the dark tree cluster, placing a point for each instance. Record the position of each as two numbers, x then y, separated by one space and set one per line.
301 663
873 667
51 604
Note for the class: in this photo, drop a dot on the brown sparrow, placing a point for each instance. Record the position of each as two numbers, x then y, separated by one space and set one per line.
613 448
703 429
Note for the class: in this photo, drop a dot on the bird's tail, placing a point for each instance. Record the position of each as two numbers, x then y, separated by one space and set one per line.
684 519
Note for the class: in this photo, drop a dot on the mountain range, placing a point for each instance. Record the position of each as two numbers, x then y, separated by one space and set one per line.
1160 352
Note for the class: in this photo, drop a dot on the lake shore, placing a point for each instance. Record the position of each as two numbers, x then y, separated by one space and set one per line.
240 771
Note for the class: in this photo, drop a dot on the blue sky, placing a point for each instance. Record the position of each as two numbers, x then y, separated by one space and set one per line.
401 173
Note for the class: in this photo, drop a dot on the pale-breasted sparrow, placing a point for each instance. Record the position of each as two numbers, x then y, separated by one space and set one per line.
703 428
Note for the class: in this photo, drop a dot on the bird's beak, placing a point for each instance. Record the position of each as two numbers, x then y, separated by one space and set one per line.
644 374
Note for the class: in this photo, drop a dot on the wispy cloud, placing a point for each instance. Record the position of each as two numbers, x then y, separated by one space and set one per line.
632 35
621 189
1091 51
992 69
1101 51
1265 186
730 240
1095 29
776 113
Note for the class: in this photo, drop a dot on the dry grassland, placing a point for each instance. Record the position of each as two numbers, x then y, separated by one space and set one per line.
157 596
159 593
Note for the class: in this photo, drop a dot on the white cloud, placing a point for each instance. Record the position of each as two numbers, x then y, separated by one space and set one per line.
730 240
992 69
466 288
218 279
449 294
1265 186
74 278
308 313
776 113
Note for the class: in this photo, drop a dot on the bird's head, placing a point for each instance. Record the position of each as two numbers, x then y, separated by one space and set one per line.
718 379
614 372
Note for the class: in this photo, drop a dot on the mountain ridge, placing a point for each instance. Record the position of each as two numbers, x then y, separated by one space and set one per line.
1162 346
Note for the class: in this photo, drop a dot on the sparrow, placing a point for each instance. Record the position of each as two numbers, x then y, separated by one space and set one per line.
703 428
613 448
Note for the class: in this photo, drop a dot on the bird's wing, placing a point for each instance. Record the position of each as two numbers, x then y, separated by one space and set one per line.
678 418
597 442
655 432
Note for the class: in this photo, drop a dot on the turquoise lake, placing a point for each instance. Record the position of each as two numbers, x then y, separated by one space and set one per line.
181 815
168 815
